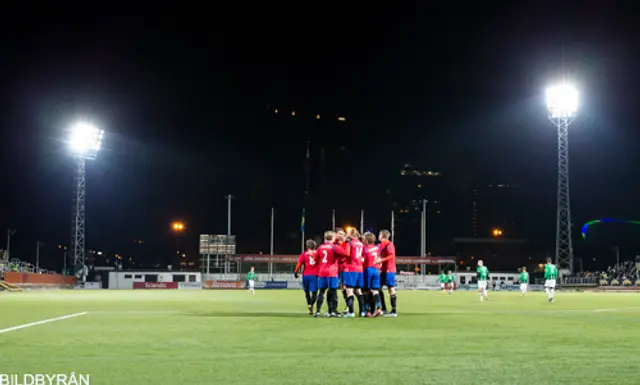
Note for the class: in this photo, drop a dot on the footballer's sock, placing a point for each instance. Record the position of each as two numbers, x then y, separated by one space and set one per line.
393 303
361 303
377 300
548 292
486 294
307 296
332 300
383 303
350 300
314 296
553 292
367 302
320 301
344 295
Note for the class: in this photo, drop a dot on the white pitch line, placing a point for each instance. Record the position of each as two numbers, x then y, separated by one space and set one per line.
13 328
618 309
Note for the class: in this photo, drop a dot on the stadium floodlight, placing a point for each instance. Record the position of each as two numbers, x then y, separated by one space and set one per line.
84 143
86 140
562 103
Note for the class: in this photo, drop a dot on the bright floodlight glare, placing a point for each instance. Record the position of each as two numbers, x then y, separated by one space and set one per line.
562 101
86 140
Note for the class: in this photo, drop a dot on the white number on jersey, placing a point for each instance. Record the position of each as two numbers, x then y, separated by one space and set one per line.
324 256
312 261
359 253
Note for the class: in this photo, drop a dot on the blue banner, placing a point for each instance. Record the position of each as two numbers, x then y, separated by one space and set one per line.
275 285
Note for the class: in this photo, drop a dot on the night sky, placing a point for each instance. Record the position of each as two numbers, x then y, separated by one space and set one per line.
187 99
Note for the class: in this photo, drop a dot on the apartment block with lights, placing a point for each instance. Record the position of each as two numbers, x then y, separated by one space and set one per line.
412 188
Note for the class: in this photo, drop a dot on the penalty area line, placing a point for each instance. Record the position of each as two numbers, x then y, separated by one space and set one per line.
46 321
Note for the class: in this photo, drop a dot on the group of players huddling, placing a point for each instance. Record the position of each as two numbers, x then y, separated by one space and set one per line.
354 263
360 267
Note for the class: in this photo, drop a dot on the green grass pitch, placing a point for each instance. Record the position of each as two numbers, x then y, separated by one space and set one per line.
233 337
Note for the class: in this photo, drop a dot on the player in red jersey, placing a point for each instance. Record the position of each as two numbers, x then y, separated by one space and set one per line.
310 274
353 276
388 271
328 256
372 265
341 240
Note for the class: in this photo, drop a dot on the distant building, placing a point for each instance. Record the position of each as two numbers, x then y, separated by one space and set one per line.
496 208
411 186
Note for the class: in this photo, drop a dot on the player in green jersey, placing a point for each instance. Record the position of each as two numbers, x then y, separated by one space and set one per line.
442 278
251 278
550 276
524 280
483 276
451 280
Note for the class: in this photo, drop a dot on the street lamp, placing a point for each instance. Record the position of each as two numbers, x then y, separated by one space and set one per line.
178 227
84 142
562 103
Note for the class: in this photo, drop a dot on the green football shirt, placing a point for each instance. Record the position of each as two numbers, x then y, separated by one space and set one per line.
251 276
550 271
524 277
483 273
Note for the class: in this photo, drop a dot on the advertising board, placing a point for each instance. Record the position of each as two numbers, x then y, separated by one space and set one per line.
215 284
275 285
155 285
189 286
89 286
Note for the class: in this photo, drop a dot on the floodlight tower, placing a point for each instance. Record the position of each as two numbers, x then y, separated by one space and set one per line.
562 102
85 143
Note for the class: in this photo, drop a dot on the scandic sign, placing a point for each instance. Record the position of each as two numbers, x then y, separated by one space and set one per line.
155 285
259 258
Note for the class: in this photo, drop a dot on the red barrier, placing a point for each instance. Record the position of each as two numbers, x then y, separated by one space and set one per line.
155 285
223 284
16 278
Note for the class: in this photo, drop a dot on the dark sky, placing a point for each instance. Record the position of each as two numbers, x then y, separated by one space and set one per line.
186 96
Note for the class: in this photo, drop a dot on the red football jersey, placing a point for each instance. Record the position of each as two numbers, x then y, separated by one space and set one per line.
388 250
308 260
371 253
356 254
329 256
343 265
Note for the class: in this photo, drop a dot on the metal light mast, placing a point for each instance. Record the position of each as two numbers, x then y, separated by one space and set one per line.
85 143
77 242
562 102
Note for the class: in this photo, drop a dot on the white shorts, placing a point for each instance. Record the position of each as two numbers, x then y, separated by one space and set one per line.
550 283
442 285
482 285
252 284
523 286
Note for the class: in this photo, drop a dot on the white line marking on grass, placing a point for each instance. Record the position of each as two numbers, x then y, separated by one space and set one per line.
13 328
618 309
